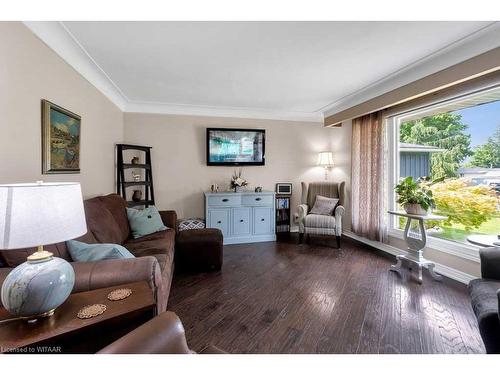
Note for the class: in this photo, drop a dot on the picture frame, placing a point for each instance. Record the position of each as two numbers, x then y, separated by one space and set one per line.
61 130
284 188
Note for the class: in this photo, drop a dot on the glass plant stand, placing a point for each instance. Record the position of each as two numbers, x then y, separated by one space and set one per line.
416 243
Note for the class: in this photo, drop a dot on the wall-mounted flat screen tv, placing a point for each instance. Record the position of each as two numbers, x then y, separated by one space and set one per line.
235 146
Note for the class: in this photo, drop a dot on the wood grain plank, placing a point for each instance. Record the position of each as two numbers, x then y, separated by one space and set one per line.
281 297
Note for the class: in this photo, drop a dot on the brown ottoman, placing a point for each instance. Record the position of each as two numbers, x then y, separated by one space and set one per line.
199 249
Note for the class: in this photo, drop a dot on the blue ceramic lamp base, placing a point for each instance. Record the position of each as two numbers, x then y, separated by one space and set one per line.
37 287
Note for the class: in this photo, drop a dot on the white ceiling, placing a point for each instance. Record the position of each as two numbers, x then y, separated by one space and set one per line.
276 67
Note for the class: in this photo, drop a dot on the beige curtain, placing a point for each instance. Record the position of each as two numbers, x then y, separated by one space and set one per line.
368 181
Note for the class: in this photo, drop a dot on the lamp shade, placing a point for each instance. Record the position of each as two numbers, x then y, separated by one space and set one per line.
40 214
325 159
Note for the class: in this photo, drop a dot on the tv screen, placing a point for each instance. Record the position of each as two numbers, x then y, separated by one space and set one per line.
235 146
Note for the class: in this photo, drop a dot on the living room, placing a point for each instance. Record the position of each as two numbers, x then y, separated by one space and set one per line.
250 186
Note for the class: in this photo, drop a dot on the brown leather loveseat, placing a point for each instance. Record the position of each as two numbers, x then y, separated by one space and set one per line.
107 222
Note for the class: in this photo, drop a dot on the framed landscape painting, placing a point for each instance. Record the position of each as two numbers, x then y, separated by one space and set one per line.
60 139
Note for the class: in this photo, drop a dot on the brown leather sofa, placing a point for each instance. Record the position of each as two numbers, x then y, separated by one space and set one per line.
107 222
163 334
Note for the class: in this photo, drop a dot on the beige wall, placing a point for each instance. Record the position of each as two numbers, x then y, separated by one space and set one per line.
179 156
29 72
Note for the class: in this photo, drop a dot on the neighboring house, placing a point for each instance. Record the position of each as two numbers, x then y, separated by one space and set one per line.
478 175
415 160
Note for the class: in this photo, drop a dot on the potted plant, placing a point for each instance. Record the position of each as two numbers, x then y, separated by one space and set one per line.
238 183
416 196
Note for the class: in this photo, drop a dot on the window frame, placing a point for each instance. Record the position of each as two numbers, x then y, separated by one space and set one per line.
461 250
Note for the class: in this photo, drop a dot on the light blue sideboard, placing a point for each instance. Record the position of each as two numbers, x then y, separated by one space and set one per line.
242 217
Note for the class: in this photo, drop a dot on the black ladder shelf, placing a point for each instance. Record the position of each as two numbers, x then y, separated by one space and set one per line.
147 183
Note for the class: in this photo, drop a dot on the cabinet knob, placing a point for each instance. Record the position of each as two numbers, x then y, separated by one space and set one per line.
225 200
258 199
241 221
219 222
262 220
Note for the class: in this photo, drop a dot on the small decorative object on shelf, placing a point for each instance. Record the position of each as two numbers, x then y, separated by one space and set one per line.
214 188
135 160
91 311
238 183
119 294
136 176
284 188
137 196
258 189
416 196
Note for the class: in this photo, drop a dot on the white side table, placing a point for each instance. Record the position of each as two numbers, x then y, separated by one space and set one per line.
416 245
485 240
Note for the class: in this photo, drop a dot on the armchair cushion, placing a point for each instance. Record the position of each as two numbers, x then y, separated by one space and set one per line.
155 243
320 224
324 205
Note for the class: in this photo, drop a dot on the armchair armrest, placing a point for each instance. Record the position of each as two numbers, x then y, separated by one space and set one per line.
111 272
4 271
490 263
163 334
169 218
339 212
302 211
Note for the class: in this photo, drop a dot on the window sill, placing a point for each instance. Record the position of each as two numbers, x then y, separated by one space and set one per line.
460 250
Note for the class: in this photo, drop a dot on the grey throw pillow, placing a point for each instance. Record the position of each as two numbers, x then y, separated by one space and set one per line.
82 252
324 205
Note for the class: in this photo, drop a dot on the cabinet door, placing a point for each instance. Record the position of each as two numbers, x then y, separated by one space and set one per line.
219 218
263 220
241 221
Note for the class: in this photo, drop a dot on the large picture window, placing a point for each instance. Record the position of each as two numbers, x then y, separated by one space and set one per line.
458 140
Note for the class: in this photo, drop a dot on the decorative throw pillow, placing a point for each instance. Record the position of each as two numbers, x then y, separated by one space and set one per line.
324 205
144 222
83 252
195 223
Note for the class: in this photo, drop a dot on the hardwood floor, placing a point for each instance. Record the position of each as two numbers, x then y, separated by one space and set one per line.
285 298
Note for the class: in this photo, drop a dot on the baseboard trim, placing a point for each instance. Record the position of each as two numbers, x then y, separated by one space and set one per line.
442 269
249 239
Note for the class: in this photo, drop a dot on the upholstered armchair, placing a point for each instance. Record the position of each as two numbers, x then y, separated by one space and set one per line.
321 224
485 298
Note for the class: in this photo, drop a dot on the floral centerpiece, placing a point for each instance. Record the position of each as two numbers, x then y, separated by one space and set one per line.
238 183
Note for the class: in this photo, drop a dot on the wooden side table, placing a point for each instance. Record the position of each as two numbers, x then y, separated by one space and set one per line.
64 332
416 245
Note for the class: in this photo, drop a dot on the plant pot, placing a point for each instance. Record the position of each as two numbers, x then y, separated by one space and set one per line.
137 196
414 209
239 189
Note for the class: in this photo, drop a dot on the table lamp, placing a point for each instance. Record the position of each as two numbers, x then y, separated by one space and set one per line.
33 215
325 160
